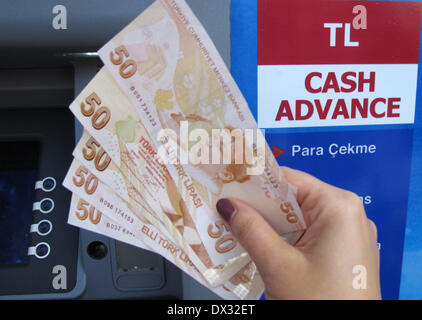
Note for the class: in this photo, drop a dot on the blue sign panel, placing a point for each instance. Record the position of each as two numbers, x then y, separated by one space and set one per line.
373 164
344 134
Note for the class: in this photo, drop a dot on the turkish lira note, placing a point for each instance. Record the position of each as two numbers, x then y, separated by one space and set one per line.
85 213
114 206
120 144
168 67
166 71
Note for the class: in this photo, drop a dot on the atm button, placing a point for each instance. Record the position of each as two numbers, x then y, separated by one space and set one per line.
42 250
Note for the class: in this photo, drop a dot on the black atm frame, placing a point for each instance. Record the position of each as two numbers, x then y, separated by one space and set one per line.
30 110
34 104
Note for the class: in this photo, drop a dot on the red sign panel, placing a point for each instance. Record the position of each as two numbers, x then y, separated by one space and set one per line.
338 32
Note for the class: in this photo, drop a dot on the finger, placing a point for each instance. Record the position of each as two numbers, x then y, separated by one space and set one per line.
306 184
259 239
373 228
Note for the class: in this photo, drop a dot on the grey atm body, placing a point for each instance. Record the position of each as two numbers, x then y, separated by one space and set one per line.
42 69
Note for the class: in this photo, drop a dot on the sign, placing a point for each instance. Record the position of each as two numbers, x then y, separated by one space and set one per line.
337 93
337 63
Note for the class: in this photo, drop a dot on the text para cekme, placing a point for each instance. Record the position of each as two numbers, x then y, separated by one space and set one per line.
333 149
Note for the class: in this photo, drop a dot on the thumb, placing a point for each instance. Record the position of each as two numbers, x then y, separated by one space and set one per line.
271 254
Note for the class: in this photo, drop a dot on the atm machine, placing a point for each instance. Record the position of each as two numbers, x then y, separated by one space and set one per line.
42 68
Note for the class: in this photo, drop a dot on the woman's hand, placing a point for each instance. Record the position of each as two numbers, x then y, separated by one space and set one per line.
339 243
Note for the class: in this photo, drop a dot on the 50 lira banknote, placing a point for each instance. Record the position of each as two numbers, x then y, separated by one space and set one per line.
168 134
108 116
246 285
167 66
100 207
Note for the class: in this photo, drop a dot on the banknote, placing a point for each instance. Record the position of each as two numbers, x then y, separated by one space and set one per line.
84 213
92 208
112 121
114 206
129 206
168 67
82 182
167 134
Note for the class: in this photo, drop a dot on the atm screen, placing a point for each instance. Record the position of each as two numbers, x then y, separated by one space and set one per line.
18 173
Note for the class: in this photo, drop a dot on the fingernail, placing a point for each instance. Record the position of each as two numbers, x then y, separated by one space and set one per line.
226 209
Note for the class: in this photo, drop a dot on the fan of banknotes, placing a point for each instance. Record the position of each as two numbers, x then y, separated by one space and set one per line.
140 172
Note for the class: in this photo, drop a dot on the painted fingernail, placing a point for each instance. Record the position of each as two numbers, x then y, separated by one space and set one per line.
226 209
